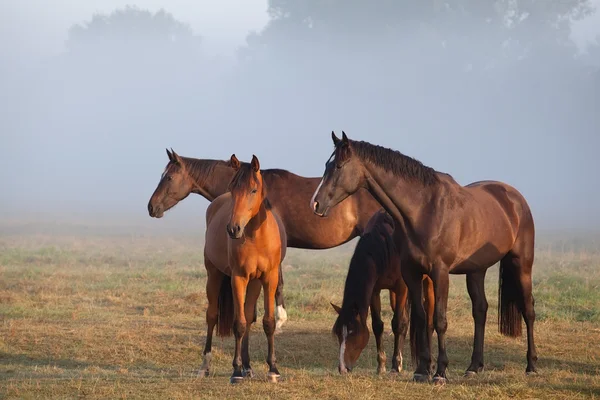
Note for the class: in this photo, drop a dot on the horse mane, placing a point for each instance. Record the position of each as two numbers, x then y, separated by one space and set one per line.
200 169
395 162
371 257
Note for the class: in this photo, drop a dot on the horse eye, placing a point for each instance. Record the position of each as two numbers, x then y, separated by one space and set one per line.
338 166
169 178
253 191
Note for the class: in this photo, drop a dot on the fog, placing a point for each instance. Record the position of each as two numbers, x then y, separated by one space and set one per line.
506 90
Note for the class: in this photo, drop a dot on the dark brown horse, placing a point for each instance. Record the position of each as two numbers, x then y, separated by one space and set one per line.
288 194
244 246
375 266
442 228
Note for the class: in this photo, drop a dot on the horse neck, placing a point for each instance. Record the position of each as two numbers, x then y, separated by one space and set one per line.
402 198
210 177
360 283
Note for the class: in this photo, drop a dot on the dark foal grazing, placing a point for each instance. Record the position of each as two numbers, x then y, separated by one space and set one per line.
375 266
245 244
442 228
288 195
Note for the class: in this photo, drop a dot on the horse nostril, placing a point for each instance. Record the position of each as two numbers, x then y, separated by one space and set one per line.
315 205
150 208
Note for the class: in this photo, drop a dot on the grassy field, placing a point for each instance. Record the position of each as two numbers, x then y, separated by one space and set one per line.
101 316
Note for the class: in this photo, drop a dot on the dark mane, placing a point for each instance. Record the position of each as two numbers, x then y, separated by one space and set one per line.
395 162
200 169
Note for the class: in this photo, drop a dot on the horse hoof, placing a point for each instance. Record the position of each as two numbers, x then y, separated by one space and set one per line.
203 373
421 378
439 380
394 371
273 377
236 379
278 331
531 373
381 371
470 374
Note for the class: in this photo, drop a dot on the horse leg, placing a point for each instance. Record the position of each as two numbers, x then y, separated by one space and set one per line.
413 277
377 325
429 304
238 286
399 325
441 283
252 293
393 307
270 286
280 311
521 266
213 286
475 287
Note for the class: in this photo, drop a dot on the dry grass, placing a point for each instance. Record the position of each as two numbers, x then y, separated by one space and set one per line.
123 317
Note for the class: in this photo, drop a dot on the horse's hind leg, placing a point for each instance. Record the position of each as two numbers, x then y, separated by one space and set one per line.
213 286
377 325
270 285
252 293
520 262
429 304
475 287
280 311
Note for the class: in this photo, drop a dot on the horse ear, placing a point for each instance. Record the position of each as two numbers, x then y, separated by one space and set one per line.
336 308
255 164
344 138
335 139
176 157
234 162
169 155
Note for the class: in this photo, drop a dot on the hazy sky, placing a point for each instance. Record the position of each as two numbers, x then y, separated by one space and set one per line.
87 136
41 25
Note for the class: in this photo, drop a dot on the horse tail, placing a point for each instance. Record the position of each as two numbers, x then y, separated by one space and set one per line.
509 292
225 304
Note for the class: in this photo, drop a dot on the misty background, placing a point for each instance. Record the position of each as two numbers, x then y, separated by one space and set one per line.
92 92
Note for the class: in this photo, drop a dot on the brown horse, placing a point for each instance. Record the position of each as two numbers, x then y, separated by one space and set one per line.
375 265
288 194
245 244
442 228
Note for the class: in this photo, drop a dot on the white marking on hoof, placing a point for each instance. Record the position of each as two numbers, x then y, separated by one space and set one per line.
280 317
439 380
205 365
272 377
470 374
236 379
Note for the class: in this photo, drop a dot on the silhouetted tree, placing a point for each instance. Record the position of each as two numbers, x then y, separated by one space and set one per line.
132 32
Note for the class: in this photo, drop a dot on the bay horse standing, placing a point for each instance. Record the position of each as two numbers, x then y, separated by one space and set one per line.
245 245
442 228
288 194
375 265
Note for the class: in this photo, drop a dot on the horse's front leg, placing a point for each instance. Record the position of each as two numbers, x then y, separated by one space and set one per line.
270 286
377 325
238 285
399 325
252 293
